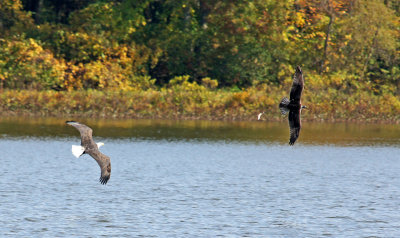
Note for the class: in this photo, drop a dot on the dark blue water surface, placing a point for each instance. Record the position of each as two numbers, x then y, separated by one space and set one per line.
235 183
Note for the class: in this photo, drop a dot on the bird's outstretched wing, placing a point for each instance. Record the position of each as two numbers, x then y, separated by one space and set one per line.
297 86
105 165
294 125
85 131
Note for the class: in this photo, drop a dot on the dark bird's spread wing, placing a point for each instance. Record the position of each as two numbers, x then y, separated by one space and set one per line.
294 125
297 86
91 148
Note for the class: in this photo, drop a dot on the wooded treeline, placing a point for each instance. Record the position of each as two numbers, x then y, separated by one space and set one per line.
140 44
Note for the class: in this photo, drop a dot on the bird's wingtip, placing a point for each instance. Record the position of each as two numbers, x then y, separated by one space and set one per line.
104 180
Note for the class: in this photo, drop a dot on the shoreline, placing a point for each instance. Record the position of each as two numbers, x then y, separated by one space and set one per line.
39 115
214 105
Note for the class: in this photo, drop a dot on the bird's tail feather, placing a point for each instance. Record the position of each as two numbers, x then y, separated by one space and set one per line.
283 106
77 150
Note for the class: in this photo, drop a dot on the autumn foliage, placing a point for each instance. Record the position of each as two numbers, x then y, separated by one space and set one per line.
199 58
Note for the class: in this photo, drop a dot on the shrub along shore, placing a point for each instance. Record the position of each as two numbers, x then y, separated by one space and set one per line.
185 100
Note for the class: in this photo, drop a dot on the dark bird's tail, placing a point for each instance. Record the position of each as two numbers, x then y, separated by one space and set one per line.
283 106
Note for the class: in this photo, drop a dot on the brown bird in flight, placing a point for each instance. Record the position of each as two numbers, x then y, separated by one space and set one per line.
88 146
293 106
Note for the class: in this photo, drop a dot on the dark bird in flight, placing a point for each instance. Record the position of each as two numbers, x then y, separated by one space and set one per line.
88 146
293 106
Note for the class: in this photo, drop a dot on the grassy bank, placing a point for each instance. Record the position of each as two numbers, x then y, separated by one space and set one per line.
193 101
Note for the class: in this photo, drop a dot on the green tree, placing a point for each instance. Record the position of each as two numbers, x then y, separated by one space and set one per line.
12 17
370 48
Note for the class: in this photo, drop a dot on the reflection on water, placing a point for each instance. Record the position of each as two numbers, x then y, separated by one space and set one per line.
343 134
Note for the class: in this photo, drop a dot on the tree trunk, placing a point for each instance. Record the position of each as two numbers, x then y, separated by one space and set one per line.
328 33
370 54
38 10
34 6
204 11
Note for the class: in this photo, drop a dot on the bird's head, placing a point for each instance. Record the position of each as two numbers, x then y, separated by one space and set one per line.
298 70
100 144
302 107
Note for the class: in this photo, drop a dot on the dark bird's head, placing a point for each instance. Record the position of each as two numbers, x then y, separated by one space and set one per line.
298 70
303 106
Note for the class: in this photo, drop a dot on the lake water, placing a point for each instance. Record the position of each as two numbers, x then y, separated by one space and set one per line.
200 179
